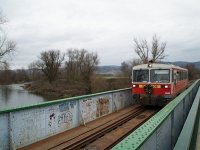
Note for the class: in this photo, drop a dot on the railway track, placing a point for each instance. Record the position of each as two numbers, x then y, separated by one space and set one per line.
102 133
112 138
85 141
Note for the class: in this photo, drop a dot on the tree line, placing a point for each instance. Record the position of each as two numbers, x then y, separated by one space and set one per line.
74 65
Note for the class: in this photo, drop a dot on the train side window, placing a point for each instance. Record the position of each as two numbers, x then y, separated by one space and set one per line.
174 75
185 75
181 75
178 75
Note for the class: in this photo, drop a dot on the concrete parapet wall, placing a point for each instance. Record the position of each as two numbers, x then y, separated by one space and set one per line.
25 125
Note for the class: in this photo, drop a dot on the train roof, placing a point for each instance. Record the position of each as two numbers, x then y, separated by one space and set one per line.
157 66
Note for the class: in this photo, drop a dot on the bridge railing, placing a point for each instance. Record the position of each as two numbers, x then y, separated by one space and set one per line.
25 125
189 134
162 130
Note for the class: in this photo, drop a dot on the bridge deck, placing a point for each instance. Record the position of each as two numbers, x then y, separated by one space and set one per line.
56 140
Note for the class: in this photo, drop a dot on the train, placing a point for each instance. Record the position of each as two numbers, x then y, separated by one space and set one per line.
157 84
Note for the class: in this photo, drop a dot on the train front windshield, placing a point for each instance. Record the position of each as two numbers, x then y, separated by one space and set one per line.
156 75
160 75
141 75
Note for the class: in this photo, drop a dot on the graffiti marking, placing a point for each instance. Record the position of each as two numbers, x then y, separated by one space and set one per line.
65 117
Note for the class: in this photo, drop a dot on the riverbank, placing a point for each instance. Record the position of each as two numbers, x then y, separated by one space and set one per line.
57 89
63 89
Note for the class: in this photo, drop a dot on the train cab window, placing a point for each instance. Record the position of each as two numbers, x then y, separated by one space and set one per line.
141 75
160 75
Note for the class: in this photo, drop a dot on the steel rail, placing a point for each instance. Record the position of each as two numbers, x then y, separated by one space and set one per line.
90 136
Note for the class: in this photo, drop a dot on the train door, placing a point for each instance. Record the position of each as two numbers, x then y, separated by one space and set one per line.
174 81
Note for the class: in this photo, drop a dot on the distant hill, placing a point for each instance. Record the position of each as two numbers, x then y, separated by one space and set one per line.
114 70
184 63
109 70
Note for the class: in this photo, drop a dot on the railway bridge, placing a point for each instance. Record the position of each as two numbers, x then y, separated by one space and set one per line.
176 126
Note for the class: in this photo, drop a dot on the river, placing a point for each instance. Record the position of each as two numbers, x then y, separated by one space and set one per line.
15 95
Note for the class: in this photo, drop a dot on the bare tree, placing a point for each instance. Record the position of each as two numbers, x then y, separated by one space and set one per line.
73 64
134 62
81 65
125 69
6 46
2 18
155 54
49 63
158 49
193 71
5 74
21 75
34 72
89 65
126 66
142 49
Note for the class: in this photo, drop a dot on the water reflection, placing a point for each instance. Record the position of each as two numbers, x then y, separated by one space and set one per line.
14 95
5 93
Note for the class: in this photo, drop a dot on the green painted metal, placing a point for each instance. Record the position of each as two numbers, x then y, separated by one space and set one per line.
197 130
42 104
188 133
136 139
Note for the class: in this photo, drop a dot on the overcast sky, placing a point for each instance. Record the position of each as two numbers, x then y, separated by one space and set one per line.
107 27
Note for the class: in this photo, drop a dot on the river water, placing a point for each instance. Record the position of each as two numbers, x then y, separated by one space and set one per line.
15 95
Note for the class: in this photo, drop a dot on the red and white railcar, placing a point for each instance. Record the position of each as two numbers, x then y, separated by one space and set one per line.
156 84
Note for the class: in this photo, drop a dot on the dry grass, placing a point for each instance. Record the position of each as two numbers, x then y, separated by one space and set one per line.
62 88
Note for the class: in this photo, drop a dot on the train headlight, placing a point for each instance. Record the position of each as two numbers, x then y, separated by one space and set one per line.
166 86
134 85
149 65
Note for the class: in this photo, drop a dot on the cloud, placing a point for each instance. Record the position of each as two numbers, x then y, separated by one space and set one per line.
104 26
